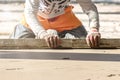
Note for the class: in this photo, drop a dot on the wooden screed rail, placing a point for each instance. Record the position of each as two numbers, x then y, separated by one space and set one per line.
65 43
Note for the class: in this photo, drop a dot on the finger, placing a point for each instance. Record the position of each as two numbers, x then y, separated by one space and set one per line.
99 37
88 41
92 41
98 41
48 41
55 41
51 42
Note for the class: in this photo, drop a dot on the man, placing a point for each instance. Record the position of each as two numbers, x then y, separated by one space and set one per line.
54 19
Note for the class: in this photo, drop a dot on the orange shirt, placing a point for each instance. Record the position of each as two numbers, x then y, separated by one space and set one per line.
66 21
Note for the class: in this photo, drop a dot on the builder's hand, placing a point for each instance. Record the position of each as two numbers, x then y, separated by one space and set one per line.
93 38
51 38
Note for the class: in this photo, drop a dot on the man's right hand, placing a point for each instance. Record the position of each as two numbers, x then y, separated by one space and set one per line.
51 38
52 41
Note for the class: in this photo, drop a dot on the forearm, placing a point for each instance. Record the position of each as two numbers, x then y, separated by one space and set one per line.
93 18
31 8
90 9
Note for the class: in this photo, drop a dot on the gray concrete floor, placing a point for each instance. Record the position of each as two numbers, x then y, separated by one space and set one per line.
75 64
10 14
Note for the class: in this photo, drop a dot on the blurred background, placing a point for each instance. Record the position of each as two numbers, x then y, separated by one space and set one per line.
109 11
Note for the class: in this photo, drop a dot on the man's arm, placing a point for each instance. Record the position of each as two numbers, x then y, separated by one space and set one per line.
50 36
90 9
31 8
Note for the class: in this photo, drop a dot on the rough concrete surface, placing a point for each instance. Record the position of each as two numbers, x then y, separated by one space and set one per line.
76 64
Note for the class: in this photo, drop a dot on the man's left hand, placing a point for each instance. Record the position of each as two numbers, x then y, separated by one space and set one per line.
93 38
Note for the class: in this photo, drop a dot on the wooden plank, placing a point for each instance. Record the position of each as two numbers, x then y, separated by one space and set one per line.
66 43
104 43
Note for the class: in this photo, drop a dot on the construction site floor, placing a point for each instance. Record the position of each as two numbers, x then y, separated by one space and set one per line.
60 64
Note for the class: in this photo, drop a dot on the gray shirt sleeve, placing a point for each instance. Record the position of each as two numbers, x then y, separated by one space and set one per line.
31 9
91 10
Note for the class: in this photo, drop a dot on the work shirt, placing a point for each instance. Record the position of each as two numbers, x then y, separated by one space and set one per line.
52 8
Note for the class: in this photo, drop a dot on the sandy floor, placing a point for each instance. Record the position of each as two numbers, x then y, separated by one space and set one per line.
76 64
